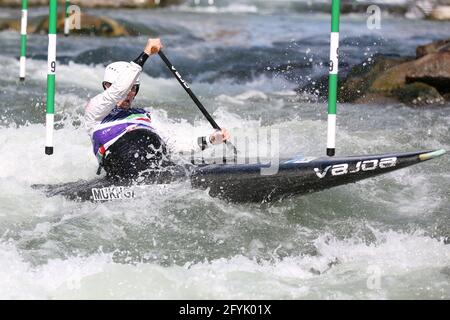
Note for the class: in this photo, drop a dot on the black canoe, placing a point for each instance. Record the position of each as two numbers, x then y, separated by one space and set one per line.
258 182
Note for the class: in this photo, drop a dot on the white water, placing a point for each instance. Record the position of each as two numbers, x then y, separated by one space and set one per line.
382 238
383 270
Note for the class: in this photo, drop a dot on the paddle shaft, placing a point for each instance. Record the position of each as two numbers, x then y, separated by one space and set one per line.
186 87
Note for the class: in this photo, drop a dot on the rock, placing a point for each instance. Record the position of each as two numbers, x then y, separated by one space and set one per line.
421 81
136 28
418 82
418 94
124 3
90 25
11 25
432 69
360 78
17 3
391 79
15 24
98 3
440 13
436 46
354 88
375 98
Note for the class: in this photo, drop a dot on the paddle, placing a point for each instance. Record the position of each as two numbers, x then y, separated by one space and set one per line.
186 87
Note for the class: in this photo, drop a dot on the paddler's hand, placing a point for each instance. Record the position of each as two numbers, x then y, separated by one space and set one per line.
153 46
219 136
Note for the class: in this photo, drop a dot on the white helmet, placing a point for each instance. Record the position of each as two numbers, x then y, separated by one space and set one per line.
114 70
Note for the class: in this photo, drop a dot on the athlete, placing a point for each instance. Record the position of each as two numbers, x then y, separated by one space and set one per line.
124 140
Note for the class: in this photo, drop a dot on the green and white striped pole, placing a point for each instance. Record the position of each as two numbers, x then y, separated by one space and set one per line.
333 80
51 67
23 39
66 20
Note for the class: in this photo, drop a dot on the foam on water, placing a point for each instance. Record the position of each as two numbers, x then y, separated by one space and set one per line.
41 237
341 270
380 238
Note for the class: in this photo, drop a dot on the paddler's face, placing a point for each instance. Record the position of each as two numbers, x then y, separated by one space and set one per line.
126 103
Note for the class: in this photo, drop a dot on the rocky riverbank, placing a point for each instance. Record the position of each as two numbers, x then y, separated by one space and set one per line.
415 81
98 3
89 25
414 9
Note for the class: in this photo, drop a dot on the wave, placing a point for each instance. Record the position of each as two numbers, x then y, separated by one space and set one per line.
341 269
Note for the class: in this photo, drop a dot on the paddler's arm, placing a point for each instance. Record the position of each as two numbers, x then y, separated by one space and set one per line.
102 104
217 137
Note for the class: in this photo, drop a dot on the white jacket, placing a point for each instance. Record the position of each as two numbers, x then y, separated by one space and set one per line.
102 104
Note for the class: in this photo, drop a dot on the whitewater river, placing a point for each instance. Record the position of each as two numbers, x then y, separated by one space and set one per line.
384 238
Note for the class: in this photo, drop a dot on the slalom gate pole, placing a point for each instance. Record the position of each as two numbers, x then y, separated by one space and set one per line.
23 39
333 79
51 67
